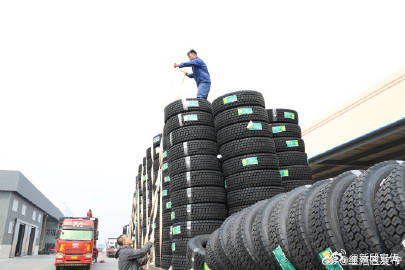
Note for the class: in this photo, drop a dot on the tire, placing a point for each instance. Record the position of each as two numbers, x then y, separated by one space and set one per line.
300 250
292 158
157 140
185 134
257 178
166 261
247 146
284 144
356 213
200 211
282 116
285 130
240 131
250 196
389 210
196 179
189 119
234 210
192 148
249 163
237 99
191 229
240 114
194 163
324 230
196 252
186 105
198 195
292 184
166 248
215 256
179 246
179 262
301 172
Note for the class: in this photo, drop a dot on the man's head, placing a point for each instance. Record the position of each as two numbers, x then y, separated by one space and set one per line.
124 240
192 54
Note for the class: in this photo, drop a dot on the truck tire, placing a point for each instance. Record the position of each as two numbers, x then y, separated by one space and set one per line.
250 196
191 148
247 146
249 162
237 99
257 178
189 119
292 158
285 130
292 184
191 229
286 144
356 214
179 262
240 114
282 116
198 195
389 210
199 211
301 172
215 255
179 246
185 134
196 250
243 130
187 105
196 179
194 163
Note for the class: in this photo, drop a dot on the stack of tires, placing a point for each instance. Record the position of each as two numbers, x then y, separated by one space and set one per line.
249 163
290 148
155 168
197 191
356 214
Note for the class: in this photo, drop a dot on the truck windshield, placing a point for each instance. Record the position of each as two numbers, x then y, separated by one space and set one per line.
76 235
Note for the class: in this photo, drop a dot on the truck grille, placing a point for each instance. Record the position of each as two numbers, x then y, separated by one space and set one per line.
74 251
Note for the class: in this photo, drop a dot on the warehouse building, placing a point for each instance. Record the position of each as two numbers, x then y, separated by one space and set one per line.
28 220
366 130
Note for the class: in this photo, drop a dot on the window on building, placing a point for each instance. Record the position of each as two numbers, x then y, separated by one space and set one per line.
15 205
39 218
10 227
34 215
23 209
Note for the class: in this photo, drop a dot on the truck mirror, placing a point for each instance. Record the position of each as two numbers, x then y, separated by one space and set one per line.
96 236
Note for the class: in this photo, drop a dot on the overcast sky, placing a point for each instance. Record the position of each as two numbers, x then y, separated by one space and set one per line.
83 83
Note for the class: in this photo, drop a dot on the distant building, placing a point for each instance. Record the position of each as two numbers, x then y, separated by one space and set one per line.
28 220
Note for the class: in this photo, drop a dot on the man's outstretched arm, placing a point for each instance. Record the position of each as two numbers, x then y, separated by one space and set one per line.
139 253
195 62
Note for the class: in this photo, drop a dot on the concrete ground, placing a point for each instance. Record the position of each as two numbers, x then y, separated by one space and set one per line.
45 262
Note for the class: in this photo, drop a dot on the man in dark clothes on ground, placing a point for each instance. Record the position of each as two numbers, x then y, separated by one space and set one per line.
200 73
129 258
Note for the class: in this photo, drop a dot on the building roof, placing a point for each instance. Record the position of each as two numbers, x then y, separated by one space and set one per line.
15 181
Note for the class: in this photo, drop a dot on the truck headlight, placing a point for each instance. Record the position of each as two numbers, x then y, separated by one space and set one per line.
59 255
89 255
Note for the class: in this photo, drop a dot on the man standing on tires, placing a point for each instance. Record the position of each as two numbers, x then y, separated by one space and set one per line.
200 73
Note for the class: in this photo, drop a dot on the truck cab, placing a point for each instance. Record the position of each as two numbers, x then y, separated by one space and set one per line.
75 241
111 247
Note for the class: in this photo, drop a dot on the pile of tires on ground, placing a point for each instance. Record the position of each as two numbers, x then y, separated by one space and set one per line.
290 148
197 192
358 213
249 163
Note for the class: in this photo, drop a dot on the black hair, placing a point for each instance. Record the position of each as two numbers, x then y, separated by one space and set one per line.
192 51
120 241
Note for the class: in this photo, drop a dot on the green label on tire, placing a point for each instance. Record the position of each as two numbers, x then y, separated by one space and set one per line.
292 143
278 129
191 103
173 246
225 184
249 161
154 226
177 230
282 259
284 173
169 205
145 177
156 139
255 126
290 115
190 117
243 111
166 179
230 99
164 193
165 166
206 267
164 154
173 215
327 260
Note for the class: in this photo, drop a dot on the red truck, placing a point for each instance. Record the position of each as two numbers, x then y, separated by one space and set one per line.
75 242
